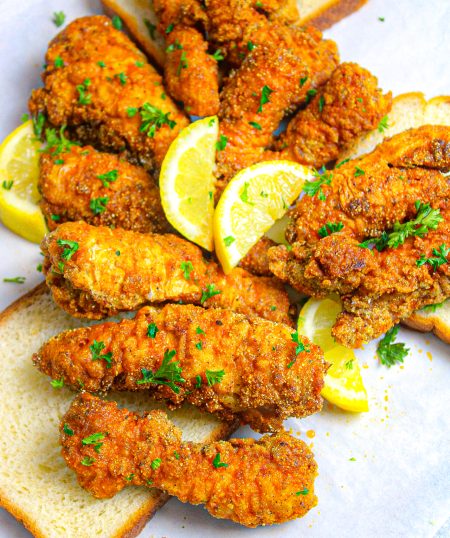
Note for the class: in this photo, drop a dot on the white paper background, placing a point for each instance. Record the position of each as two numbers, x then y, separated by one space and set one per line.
399 485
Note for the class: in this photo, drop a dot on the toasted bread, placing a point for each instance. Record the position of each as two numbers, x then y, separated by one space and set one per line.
134 13
35 484
412 110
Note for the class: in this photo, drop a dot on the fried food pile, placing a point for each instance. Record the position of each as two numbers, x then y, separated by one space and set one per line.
251 482
215 359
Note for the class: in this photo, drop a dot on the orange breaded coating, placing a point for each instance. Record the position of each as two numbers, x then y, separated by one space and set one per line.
370 194
101 189
102 87
256 261
349 104
190 73
222 362
172 13
257 96
95 272
250 482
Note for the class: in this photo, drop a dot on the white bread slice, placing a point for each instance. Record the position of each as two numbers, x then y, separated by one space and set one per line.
321 13
35 484
412 110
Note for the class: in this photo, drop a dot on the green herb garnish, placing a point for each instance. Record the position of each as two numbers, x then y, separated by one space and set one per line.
209 292
390 353
330 228
167 374
96 348
108 177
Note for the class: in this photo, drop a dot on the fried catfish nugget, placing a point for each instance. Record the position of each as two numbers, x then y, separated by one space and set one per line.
222 362
370 194
101 86
250 482
95 272
349 104
101 189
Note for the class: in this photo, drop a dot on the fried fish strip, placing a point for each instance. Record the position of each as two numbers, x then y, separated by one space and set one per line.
101 189
95 272
228 364
251 482
377 289
349 104
370 194
101 86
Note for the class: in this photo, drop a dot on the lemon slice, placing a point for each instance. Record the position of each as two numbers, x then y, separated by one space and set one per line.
344 386
250 204
187 181
19 171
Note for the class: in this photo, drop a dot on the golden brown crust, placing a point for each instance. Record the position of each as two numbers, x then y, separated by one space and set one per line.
427 324
332 12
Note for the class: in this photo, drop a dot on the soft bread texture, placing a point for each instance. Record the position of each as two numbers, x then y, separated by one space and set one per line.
412 110
35 485
321 13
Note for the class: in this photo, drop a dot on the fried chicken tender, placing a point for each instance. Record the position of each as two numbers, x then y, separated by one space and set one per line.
101 189
190 73
369 195
172 13
349 104
95 272
259 377
256 261
107 93
264 89
250 482
377 289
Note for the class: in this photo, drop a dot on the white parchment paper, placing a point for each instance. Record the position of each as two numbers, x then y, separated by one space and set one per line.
385 473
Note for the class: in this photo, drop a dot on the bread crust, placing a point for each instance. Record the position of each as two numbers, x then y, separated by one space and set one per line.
426 324
332 12
136 521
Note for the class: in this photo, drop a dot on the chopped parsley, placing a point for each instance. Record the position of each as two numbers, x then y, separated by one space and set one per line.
183 64
117 252
132 111
108 177
101 64
58 18
130 477
87 461
304 491
255 124
152 329
56 218
300 347
198 330
187 269
167 374
138 63
209 292
7 184
57 383
199 345
83 97
24 117
218 56
440 257
432 307
38 124
39 267
250 45
117 22
228 240
221 144
359 172
156 463
311 188
68 430
151 28
95 440
122 78
309 95
96 348
330 228
349 364
217 463
390 353
59 62
265 97
302 81
381 19
177 456
383 125
70 248
198 381
426 219
214 377
170 28
57 143
98 205
174 46
152 118
345 161
244 194
321 103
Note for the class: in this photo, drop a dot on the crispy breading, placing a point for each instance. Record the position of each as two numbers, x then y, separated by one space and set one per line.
370 194
250 482
114 270
190 73
172 13
349 104
264 380
71 182
377 289
107 93
256 261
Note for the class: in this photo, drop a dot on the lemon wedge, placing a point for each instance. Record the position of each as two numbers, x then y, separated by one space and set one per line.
344 386
19 171
250 204
187 180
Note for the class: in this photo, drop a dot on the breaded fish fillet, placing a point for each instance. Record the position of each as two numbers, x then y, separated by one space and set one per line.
250 482
95 272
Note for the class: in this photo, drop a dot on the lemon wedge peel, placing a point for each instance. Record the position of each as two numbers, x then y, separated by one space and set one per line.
251 203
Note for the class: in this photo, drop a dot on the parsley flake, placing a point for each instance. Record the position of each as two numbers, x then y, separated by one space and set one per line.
7 185
345 161
198 330
70 248
217 463
311 188
108 177
58 18
87 461
101 64
152 118
390 353
57 383
170 28
304 491
156 463
265 97
167 374
57 144
24 117
228 240
302 81
383 125
221 144
250 45
214 377
321 103
68 430
209 292
122 78
359 172
244 194
117 22
187 269
330 228
151 28
98 205
96 348
255 124
83 97
59 62
218 56
95 440
199 345
152 329
439 259
309 95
